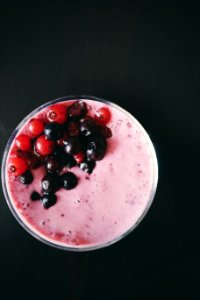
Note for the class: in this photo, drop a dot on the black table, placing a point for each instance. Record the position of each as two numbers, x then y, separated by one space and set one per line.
144 56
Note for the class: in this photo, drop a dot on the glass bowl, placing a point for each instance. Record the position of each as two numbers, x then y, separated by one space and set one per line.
53 243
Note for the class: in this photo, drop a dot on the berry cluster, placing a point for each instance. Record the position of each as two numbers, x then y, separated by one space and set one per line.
67 137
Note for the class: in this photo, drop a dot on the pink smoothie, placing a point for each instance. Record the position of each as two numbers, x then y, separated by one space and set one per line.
105 204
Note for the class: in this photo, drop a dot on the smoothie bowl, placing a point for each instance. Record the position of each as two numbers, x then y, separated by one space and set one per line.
79 173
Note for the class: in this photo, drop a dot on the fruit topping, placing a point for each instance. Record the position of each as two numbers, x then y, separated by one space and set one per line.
88 126
105 131
58 151
72 145
77 110
64 159
48 200
43 146
66 138
17 166
79 157
96 148
53 164
50 183
35 196
35 127
35 162
60 142
103 116
23 142
26 177
53 131
73 128
32 160
87 166
57 113
68 161
69 181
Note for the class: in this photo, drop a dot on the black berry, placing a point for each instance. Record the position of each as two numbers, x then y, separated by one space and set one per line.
53 131
77 110
50 183
69 180
68 161
64 159
96 148
26 178
53 164
88 126
105 131
87 166
73 128
48 200
35 196
72 145
58 152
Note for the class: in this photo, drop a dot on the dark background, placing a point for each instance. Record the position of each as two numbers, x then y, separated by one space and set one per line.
145 56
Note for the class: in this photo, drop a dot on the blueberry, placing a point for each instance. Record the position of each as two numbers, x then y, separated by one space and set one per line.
50 183
77 110
48 200
35 196
69 180
72 145
53 164
96 148
26 178
53 131
63 158
68 161
88 126
87 166
58 151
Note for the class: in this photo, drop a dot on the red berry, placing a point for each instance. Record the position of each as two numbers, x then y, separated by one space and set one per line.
44 146
14 151
17 166
31 159
103 116
79 157
35 127
57 113
23 142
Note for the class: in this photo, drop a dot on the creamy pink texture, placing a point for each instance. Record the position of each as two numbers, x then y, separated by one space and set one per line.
105 204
